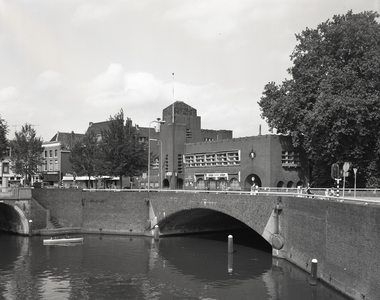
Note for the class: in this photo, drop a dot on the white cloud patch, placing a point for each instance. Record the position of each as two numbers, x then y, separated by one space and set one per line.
143 97
92 12
9 94
211 19
116 87
49 80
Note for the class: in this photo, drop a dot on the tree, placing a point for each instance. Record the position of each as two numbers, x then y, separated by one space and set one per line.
3 138
85 157
331 105
26 150
124 153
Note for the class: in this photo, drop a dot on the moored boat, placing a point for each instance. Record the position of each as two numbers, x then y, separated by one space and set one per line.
66 240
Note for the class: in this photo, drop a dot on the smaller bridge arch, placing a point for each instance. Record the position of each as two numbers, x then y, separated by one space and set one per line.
13 219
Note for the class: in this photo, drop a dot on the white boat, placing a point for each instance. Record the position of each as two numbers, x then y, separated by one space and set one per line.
67 240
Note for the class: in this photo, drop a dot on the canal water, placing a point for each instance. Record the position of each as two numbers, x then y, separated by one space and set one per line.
126 267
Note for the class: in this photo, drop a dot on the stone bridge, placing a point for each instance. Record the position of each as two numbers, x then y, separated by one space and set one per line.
176 213
15 211
343 235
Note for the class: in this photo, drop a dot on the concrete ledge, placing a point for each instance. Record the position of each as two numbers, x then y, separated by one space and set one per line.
57 231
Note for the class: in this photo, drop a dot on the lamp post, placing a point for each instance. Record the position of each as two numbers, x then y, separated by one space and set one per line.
158 122
160 165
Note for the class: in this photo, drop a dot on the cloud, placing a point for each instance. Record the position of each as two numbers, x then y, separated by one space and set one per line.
143 97
111 80
49 80
116 87
8 94
211 19
91 12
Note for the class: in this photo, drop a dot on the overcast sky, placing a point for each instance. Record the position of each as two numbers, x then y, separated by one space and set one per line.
65 63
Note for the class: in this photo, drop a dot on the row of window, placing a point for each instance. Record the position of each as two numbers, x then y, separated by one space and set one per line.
51 153
290 159
223 158
51 165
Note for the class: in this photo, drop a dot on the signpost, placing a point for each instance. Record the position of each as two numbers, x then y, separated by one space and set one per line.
335 175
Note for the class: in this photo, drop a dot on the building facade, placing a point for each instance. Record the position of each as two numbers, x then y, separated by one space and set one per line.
183 155
7 177
56 155
196 158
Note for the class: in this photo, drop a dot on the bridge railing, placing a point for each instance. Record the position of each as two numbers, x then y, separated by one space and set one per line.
8 191
360 197
15 193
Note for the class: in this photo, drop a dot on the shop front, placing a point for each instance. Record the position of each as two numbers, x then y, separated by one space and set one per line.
215 181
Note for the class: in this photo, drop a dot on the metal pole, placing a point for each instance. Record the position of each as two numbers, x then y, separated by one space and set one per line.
344 182
149 155
355 170
160 164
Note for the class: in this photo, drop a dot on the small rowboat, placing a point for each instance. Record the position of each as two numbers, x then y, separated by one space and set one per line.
59 241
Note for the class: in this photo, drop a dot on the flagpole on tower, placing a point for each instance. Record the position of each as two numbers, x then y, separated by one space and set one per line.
173 99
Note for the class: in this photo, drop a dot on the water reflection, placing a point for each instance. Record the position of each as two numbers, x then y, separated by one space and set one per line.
120 267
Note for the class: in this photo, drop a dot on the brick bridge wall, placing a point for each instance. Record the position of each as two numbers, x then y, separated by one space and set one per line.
343 237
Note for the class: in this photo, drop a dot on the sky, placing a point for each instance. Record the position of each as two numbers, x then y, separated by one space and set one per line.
65 63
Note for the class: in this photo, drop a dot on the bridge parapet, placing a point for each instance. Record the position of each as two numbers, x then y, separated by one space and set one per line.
15 193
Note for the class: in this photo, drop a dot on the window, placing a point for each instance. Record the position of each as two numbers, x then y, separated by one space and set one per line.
5 168
46 153
56 165
51 165
290 159
50 153
55 153
222 158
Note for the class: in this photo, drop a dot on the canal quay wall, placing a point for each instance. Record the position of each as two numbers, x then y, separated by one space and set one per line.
95 212
343 237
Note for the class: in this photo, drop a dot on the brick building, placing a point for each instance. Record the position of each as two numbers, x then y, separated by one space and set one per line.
196 158
56 154
185 156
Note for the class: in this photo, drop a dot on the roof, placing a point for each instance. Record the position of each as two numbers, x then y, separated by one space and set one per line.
98 127
66 139
181 109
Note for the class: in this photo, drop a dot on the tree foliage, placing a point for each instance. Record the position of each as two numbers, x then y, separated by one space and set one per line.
3 138
26 149
331 104
85 156
124 153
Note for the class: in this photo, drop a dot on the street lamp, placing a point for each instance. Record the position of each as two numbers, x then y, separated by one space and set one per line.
158 122
160 165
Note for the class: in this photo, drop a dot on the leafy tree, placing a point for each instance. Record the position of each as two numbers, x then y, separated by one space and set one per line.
27 151
124 153
85 157
3 138
331 105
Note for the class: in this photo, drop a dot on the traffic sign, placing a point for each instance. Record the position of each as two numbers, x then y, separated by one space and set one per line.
346 166
335 171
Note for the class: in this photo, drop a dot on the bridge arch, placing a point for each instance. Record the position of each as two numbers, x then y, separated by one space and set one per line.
13 219
198 220
213 211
